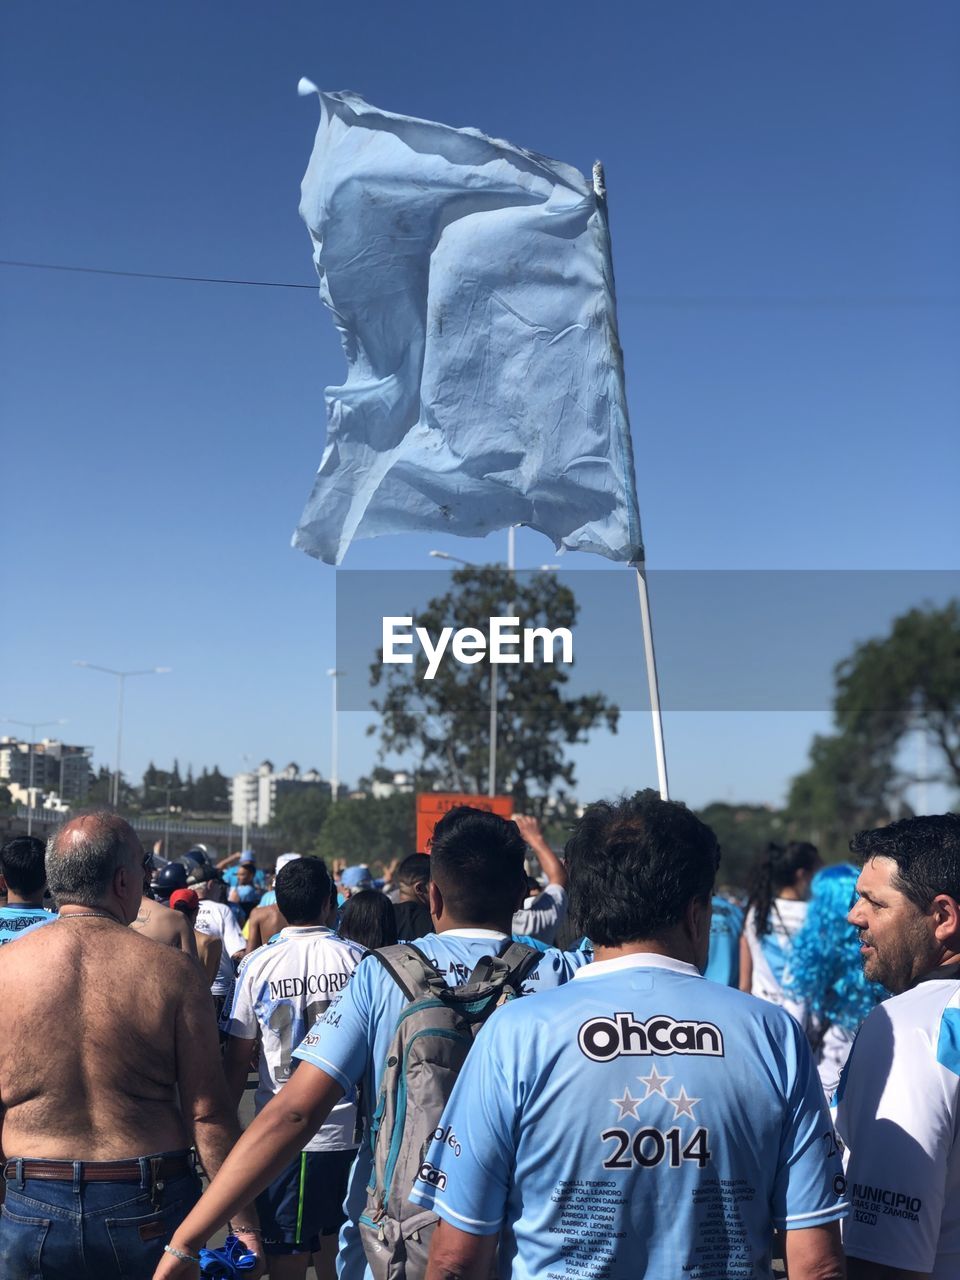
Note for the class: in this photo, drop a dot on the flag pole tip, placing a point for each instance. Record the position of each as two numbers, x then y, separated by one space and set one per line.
305 87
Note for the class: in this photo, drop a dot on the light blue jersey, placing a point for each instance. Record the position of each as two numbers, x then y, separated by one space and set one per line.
16 918
723 959
640 1122
350 1041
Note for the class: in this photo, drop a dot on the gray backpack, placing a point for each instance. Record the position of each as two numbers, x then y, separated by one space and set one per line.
433 1036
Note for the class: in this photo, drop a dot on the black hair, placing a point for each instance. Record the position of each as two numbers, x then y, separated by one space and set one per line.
926 851
776 869
634 866
304 890
369 918
413 870
22 865
476 861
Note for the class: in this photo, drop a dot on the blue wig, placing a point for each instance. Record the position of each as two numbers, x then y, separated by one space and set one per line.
825 969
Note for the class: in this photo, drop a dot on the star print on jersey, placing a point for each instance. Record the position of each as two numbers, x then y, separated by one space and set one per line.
627 1104
654 1083
683 1105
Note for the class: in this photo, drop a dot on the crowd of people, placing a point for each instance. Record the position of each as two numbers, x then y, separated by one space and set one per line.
607 1070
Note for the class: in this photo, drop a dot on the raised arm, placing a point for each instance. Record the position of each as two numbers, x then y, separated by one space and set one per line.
553 868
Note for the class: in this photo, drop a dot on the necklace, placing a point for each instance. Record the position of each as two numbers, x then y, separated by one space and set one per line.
99 915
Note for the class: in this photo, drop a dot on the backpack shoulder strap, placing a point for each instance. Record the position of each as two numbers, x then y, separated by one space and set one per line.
521 961
514 964
410 969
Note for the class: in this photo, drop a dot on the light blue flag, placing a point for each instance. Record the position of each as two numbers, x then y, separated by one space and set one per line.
472 285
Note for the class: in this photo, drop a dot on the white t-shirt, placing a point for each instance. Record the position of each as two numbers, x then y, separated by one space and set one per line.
218 921
541 914
281 990
771 953
898 1107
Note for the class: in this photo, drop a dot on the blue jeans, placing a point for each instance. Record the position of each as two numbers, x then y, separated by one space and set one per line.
73 1230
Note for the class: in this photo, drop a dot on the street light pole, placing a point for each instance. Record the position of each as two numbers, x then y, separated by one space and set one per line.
333 673
33 726
121 677
494 691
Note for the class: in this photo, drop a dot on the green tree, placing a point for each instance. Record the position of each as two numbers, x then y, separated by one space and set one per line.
210 792
367 830
6 799
744 831
300 816
848 785
101 786
887 688
445 721
909 680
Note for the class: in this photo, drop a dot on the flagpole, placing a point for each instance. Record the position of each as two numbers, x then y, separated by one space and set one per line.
600 191
652 681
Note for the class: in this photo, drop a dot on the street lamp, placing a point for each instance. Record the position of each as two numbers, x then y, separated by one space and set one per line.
511 568
121 677
33 726
333 673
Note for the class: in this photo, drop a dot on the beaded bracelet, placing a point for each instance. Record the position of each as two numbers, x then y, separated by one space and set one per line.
177 1253
244 1231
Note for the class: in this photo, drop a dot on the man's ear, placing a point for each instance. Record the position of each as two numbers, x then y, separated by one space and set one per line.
946 915
421 889
121 880
696 919
434 900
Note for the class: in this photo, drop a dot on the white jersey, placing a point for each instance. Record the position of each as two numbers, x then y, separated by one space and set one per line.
281 990
898 1110
541 914
217 920
771 953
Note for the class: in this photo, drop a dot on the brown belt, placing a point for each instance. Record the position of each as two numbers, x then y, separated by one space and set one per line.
100 1170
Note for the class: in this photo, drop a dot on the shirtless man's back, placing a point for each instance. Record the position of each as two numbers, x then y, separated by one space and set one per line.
263 924
156 921
132 1019
108 1053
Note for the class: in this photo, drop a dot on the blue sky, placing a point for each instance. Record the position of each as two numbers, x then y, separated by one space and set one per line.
784 191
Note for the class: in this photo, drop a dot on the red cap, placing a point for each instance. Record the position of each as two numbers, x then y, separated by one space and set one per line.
187 897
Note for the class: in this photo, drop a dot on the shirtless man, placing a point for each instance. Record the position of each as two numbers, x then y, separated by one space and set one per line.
264 923
172 928
109 1072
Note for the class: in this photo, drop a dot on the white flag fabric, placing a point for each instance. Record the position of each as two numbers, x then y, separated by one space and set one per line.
472 285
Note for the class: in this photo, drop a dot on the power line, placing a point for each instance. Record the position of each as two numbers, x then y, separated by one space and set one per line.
747 302
153 275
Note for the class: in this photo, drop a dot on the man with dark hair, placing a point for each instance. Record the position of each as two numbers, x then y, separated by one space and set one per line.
550 1146
898 1103
22 868
477 881
281 991
412 909
109 1072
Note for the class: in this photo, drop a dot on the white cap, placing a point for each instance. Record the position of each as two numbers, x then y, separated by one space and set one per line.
285 858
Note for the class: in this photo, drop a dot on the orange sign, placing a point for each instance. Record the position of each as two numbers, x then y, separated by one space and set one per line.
432 805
